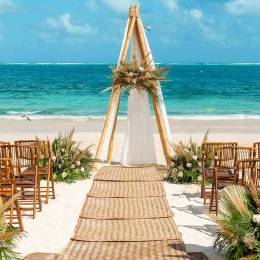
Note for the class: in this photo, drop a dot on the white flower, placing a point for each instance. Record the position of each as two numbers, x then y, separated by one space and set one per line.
82 169
78 163
53 158
172 164
63 150
134 80
188 165
186 150
195 157
199 178
59 166
141 68
131 74
216 157
64 174
256 218
180 174
199 163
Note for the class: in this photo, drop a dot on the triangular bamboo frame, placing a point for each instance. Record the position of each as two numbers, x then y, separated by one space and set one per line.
134 22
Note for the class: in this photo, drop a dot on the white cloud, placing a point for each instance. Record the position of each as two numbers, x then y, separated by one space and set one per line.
242 7
171 4
46 36
120 5
6 6
196 14
64 22
91 4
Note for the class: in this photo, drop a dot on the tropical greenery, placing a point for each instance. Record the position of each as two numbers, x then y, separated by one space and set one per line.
239 223
69 162
185 164
132 76
8 235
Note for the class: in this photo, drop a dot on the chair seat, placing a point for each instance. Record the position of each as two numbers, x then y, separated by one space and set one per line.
31 172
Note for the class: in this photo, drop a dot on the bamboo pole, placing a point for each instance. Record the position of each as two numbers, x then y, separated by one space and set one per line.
128 38
157 110
111 143
103 135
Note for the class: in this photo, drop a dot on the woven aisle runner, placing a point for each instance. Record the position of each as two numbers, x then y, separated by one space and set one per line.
125 217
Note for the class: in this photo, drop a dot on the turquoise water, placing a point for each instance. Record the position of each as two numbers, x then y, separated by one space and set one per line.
194 91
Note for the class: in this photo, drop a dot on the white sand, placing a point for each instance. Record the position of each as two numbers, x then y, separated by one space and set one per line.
53 227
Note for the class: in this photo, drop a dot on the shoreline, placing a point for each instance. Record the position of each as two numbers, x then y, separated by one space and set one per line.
177 126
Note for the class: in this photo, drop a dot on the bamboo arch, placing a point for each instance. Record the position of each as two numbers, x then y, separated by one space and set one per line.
134 22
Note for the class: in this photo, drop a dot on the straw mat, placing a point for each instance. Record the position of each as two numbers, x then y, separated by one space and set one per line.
126 230
126 208
166 249
109 189
113 173
41 256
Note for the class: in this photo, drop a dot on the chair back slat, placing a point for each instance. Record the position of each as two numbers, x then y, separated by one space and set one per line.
257 152
250 170
209 152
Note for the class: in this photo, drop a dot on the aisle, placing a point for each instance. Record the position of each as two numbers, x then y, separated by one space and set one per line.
125 216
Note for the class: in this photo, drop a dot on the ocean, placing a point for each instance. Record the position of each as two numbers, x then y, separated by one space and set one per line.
193 91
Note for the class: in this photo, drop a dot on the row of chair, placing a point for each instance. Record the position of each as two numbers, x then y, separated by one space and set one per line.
22 166
225 164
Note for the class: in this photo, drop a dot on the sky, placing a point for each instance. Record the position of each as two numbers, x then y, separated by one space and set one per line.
92 30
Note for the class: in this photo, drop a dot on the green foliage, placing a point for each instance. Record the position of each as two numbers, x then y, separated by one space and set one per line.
185 166
239 223
8 245
9 236
69 162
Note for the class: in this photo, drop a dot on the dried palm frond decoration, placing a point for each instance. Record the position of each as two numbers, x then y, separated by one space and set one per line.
132 76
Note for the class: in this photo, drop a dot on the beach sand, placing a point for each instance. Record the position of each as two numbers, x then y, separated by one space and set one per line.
53 227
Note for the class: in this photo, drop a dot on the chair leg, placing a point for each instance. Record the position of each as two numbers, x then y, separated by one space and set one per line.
212 197
52 185
48 188
216 198
18 212
34 202
38 187
11 209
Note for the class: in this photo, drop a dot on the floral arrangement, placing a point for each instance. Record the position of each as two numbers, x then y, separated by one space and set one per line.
185 165
239 222
69 162
131 76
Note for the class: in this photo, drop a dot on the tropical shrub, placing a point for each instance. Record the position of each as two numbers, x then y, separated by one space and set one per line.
9 237
185 164
69 162
239 223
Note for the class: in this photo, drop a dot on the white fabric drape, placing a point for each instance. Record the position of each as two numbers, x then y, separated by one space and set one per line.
104 151
139 145
159 92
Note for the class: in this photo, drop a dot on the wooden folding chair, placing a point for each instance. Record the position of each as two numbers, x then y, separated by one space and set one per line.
25 165
207 164
8 190
226 171
44 155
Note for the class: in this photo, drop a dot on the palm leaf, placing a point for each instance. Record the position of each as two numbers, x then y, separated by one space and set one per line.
69 139
83 153
8 235
8 203
205 139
